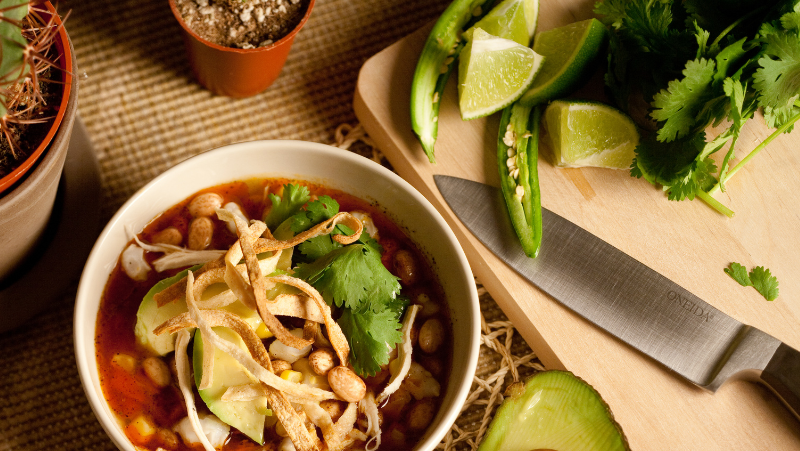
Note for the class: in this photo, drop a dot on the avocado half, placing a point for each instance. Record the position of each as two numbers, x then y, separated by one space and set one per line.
553 410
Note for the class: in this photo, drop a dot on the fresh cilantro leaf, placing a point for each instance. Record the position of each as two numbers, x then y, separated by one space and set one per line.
739 274
372 330
321 209
611 12
791 21
351 276
319 246
677 106
778 78
764 282
759 278
293 199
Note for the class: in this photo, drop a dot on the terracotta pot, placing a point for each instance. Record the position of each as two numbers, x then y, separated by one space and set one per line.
25 209
236 72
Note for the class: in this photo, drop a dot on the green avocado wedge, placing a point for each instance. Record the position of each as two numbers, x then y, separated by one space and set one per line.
553 410
246 416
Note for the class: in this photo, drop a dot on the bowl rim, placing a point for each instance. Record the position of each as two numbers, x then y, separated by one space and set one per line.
84 359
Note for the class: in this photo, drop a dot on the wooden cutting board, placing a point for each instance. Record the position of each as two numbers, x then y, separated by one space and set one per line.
687 242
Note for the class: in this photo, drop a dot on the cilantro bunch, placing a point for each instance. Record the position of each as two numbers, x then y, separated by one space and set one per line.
351 278
696 63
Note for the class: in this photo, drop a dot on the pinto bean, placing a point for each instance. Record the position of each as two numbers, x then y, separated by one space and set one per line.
321 361
346 383
279 366
421 414
431 335
201 230
170 235
157 371
406 267
205 204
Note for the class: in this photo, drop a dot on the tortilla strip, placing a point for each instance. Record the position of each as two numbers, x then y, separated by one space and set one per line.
264 374
220 300
323 228
310 329
291 421
322 420
403 355
178 289
335 334
185 384
256 292
347 421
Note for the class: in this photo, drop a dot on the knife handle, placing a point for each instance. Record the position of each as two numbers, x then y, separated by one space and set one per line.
782 375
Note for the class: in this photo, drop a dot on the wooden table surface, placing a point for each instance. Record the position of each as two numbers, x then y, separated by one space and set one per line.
687 242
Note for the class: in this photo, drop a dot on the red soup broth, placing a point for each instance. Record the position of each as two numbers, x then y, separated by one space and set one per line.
133 395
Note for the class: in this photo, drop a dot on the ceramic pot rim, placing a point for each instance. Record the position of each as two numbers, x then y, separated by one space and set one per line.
287 38
63 48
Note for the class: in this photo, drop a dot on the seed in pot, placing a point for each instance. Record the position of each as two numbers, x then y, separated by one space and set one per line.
405 265
431 335
321 361
421 414
170 235
346 383
205 204
201 230
157 371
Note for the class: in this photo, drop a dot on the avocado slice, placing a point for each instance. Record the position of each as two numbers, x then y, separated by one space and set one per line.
246 416
553 410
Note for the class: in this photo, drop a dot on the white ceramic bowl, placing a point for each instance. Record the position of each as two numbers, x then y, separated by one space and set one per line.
312 162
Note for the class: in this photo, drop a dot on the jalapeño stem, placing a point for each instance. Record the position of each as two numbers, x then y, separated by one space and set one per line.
436 61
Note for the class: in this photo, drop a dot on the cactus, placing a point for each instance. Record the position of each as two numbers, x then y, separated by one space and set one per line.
25 41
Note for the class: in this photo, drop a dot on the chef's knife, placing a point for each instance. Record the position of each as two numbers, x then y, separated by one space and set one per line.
628 299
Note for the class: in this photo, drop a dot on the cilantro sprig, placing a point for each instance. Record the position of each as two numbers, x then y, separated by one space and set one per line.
662 51
352 278
759 278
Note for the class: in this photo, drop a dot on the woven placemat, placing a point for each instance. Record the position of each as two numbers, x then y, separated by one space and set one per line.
144 113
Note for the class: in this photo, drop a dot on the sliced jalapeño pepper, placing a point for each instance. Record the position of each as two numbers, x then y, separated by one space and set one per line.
435 63
517 158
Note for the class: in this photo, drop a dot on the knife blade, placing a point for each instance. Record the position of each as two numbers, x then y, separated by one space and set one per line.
628 299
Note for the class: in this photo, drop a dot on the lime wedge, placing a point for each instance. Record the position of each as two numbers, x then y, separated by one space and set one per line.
492 73
510 19
569 52
590 134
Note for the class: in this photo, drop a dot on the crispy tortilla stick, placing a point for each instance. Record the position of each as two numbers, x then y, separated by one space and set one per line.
178 289
323 228
256 291
347 421
335 334
291 421
185 384
296 391
310 329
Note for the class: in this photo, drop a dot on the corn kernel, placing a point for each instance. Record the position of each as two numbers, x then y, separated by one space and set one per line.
263 332
292 376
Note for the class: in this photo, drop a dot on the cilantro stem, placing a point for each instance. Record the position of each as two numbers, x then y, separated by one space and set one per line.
730 27
755 152
714 203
